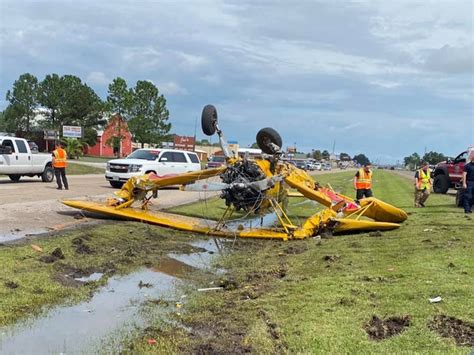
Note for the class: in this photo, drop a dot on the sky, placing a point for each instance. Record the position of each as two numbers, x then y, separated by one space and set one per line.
383 78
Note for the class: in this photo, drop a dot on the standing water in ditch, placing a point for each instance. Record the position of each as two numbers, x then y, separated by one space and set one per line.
115 307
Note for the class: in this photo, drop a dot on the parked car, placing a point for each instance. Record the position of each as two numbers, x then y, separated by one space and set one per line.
327 166
301 165
215 161
17 159
317 166
162 162
448 173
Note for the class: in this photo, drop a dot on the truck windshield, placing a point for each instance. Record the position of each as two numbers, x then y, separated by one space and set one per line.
144 154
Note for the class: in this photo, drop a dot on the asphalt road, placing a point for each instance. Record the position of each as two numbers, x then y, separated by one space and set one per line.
32 207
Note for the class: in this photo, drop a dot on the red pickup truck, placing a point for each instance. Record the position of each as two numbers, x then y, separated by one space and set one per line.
449 174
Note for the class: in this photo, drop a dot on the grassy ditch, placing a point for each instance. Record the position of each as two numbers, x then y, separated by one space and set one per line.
32 280
364 293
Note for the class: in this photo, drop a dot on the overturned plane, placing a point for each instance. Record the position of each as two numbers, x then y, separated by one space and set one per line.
258 187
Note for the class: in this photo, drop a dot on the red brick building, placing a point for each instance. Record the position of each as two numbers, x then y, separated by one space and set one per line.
105 146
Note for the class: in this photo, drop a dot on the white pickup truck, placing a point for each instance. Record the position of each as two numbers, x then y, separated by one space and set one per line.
17 160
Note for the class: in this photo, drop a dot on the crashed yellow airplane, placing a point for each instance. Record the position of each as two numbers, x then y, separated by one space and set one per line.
257 187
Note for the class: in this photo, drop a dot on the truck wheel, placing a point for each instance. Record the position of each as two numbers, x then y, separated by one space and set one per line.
116 184
266 136
14 177
441 184
459 197
48 174
209 120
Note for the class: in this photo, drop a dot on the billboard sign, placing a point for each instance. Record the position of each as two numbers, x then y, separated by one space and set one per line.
183 142
72 131
50 134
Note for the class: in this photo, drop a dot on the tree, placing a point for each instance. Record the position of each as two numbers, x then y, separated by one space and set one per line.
80 106
255 146
434 157
317 155
325 155
23 100
119 97
149 122
361 159
412 161
344 157
50 96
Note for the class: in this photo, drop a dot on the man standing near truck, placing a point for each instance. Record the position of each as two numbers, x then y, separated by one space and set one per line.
423 183
60 165
468 182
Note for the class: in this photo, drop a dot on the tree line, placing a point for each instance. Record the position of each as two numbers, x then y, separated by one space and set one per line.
65 100
413 161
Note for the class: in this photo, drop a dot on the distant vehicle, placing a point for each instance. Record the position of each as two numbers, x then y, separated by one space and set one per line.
162 162
301 165
215 161
327 166
449 173
318 166
18 159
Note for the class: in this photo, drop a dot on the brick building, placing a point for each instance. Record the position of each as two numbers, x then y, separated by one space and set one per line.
105 146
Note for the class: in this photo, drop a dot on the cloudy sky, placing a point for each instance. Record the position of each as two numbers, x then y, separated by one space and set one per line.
385 78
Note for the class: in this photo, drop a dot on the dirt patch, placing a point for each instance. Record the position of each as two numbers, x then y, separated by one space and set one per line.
451 327
375 234
228 283
84 249
296 249
331 258
380 329
58 253
11 284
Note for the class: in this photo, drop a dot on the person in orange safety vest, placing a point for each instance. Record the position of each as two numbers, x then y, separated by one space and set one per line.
423 184
363 182
60 165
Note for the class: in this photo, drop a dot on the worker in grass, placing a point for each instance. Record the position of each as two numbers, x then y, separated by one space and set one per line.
60 165
363 182
468 182
423 184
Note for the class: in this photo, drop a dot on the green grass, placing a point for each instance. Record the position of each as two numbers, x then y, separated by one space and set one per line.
78 169
96 159
290 299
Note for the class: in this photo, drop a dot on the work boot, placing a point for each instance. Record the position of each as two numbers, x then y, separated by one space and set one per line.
59 188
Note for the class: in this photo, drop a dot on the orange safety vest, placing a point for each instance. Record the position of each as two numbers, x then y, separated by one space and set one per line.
364 181
424 179
60 158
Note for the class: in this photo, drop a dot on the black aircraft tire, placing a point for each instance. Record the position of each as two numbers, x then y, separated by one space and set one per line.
209 120
264 136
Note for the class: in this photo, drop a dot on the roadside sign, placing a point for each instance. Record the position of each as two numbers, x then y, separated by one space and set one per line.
50 134
72 131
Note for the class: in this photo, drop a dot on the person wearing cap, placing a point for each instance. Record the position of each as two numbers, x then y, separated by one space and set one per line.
363 182
60 165
423 184
468 182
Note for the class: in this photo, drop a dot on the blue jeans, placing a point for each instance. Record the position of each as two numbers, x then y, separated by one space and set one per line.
468 198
